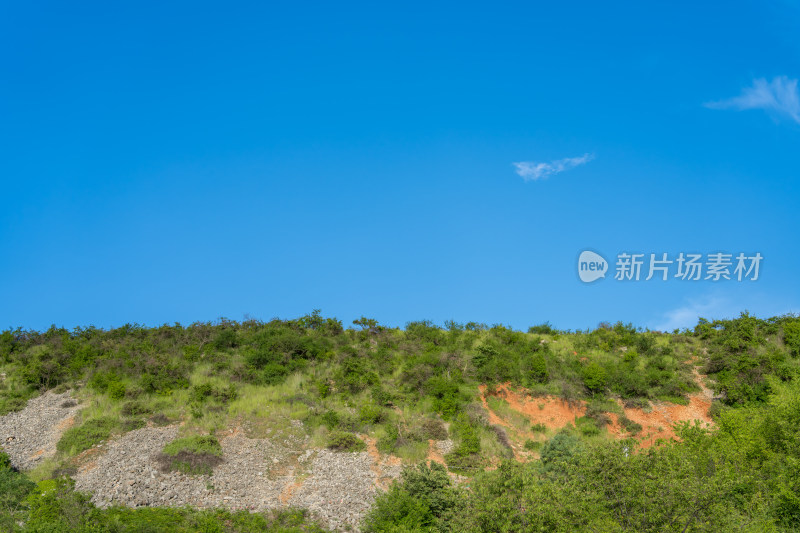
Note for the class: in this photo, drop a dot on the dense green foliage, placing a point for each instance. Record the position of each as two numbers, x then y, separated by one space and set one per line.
745 476
405 386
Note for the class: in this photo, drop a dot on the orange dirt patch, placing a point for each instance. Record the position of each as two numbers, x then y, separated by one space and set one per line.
433 454
556 413
381 480
288 490
66 423
87 460
657 424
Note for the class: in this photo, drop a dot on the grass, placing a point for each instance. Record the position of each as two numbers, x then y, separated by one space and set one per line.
412 451
80 438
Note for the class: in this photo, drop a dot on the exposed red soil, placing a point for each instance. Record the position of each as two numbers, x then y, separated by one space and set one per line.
288 490
433 454
657 424
381 480
66 423
556 413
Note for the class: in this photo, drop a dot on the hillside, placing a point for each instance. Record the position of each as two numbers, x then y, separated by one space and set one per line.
305 425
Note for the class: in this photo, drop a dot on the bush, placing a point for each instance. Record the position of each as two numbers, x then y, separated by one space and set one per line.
464 464
537 368
791 336
629 425
421 501
587 426
345 442
93 431
195 455
134 408
331 419
433 429
532 445
207 391
558 451
502 437
447 398
14 487
390 440
371 414
543 329
595 377
195 444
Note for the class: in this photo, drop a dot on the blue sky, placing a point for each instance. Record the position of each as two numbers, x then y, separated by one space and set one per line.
184 161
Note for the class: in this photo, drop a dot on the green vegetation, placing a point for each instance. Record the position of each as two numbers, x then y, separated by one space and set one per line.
312 377
195 455
745 476
345 442
80 438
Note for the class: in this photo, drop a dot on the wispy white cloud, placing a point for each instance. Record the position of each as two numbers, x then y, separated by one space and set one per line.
710 307
778 97
531 170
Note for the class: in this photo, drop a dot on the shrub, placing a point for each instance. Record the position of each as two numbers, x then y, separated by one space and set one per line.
532 445
595 377
537 368
226 339
207 391
381 397
433 429
116 390
390 439
195 455
636 403
791 336
160 419
195 444
134 408
331 419
543 329
558 451
447 399
80 438
587 426
469 441
420 501
14 487
355 375
464 464
345 442
595 411
629 425
370 414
